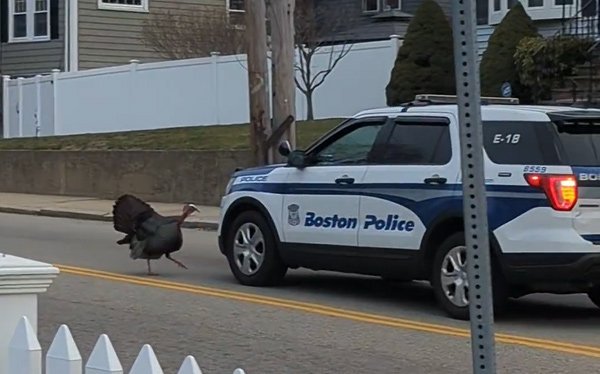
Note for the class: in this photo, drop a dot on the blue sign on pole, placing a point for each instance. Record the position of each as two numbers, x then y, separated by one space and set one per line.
506 89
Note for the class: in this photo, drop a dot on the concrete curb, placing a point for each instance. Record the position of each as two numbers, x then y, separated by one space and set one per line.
202 225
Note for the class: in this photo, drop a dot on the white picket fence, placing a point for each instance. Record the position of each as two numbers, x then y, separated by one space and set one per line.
63 357
192 92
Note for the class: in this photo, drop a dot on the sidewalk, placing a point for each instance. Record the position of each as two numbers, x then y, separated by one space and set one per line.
96 209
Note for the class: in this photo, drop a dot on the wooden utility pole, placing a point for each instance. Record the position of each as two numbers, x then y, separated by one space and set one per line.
281 14
258 79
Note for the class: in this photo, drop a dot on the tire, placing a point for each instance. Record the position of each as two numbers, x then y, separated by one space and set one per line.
458 310
594 295
258 265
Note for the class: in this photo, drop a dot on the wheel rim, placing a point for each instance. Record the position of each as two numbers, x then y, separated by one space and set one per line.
454 280
249 248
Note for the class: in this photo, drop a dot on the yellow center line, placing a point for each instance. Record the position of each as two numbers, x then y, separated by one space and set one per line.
557 346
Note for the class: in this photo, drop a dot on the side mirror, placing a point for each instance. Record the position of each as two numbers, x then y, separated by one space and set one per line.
284 148
297 159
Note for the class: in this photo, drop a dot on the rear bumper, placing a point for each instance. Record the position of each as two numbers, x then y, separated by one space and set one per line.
553 272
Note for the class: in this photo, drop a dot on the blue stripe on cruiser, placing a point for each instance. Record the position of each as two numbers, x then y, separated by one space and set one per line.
259 170
503 208
594 238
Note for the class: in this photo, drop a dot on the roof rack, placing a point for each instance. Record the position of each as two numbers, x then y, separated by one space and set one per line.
451 99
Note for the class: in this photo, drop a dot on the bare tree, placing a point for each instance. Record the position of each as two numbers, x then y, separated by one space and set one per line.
191 33
318 28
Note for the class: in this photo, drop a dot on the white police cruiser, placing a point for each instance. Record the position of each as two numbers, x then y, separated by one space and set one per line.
381 195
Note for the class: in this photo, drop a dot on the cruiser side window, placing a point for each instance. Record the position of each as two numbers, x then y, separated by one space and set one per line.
418 143
353 147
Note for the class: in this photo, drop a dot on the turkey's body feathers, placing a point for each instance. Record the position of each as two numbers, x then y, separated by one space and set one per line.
148 234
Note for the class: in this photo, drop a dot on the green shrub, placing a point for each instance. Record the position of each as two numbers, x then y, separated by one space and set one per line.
425 61
498 62
543 63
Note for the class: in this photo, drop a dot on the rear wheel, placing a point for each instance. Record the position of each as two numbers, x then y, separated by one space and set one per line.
450 281
594 295
251 251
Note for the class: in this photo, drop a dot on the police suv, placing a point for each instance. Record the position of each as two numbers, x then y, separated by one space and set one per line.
381 195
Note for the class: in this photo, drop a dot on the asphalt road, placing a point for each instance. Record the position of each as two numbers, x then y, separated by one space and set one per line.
400 330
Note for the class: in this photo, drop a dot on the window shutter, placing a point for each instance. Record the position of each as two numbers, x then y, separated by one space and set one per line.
54 22
4 21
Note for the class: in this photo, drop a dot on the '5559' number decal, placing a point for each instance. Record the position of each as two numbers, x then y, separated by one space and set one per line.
534 169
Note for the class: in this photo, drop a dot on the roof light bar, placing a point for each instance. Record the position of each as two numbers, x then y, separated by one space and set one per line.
451 99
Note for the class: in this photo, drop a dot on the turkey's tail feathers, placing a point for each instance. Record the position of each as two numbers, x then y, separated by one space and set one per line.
128 212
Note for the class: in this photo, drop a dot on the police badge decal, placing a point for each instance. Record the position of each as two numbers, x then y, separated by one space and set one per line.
293 215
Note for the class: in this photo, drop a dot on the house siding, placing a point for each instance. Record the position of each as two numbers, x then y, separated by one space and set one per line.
110 37
361 26
31 58
411 6
545 28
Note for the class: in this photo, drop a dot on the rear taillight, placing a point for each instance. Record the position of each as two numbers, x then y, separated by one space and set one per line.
561 189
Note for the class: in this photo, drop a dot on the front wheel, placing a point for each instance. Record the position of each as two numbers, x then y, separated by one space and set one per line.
450 281
251 251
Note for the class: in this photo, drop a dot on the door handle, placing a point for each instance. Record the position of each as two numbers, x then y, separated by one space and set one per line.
344 180
435 180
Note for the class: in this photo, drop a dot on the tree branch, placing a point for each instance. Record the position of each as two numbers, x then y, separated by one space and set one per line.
332 64
192 33
314 27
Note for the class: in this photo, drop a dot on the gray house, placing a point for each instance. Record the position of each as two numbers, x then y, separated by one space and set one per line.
371 20
551 17
40 35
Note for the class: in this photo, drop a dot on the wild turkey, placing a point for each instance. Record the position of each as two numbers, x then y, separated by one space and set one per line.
149 234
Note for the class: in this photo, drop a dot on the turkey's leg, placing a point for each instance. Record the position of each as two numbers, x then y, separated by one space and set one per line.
179 263
150 269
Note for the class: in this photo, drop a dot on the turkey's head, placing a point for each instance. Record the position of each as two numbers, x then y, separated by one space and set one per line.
190 208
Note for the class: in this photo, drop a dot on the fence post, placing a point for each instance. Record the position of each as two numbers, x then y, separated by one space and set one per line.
63 356
146 362
215 64
395 40
6 106
24 350
38 105
55 101
20 105
189 366
21 280
103 359
134 102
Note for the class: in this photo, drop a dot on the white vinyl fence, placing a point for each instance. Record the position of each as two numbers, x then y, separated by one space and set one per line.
25 356
193 92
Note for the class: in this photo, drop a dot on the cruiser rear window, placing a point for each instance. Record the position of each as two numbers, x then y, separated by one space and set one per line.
573 141
579 142
519 142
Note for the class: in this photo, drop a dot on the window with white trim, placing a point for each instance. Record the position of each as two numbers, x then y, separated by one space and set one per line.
370 5
29 20
127 5
392 4
236 5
